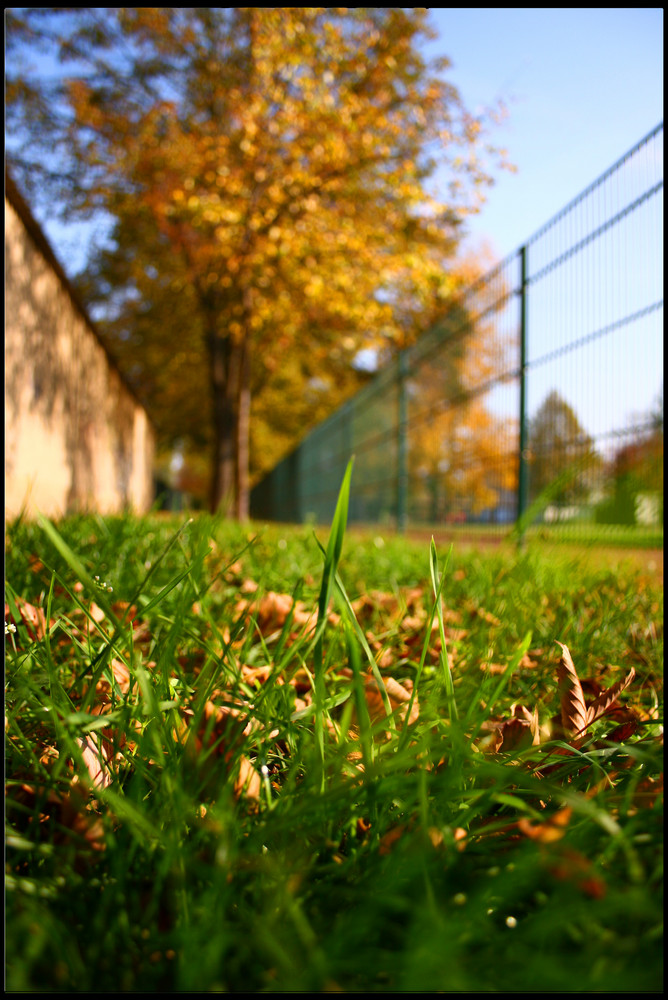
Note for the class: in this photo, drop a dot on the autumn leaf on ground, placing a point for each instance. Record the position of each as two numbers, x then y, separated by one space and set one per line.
552 829
517 733
272 610
212 747
576 715
568 865
95 757
604 701
32 617
573 707
248 781
399 695
63 817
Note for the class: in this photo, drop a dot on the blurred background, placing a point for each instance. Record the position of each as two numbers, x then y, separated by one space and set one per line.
428 237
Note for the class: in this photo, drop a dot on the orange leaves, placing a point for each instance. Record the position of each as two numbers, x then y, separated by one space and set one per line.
32 617
399 695
568 865
552 829
213 746
62 817
244 182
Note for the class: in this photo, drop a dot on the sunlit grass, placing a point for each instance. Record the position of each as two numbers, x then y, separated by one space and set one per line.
259 823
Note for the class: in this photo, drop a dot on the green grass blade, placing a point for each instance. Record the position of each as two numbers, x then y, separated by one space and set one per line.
332 556
438 583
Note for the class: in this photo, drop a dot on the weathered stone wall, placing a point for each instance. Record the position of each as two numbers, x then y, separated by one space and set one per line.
76 438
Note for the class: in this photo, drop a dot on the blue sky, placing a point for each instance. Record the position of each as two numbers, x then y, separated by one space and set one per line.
582 86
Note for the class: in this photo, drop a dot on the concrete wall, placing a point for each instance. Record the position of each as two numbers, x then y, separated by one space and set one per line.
76 438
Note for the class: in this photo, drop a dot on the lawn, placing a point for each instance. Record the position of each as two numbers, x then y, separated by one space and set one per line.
261 759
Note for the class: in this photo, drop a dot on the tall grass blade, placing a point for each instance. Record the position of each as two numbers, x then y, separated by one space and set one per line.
332 556
438 583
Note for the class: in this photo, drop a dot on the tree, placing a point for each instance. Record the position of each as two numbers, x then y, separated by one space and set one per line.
636 471
463 454
267 171
558 443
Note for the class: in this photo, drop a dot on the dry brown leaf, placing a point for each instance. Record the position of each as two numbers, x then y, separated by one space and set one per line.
261 674
33 618
389 839
414 623
96 612
248 781
607 698
572 866
574 715
399 696
369 604
517 733
96 759
460 835
552 829
121 674
647 792
60 812
494 668
272 610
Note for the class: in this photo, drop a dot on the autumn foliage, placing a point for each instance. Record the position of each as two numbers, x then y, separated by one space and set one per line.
268 173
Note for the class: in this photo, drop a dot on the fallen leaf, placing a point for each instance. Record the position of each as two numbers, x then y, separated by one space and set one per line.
248 781
96 759
574 715
572 866
494 668
33 618
63 818
121 674
389 839
399 696
606 699
552 829
517 733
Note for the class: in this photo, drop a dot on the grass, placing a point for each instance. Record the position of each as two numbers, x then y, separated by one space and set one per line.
204 791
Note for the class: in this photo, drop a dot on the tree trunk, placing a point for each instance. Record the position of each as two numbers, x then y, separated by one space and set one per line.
230 388
224 424
243 433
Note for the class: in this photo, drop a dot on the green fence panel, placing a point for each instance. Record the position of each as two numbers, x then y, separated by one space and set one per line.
538 392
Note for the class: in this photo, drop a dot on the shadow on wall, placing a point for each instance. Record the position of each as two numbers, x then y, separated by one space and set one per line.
72 424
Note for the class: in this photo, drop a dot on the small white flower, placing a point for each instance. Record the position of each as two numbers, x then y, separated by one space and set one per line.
9 627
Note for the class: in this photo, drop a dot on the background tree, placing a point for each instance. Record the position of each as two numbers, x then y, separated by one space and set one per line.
462 455
636 472
558 442
267 169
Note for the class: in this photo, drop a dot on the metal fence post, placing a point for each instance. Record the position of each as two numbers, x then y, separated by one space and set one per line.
402 445
522 478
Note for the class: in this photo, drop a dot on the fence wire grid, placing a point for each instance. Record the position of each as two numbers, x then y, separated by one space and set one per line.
536 398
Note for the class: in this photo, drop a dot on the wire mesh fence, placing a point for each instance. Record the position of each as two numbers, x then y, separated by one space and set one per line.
536 398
